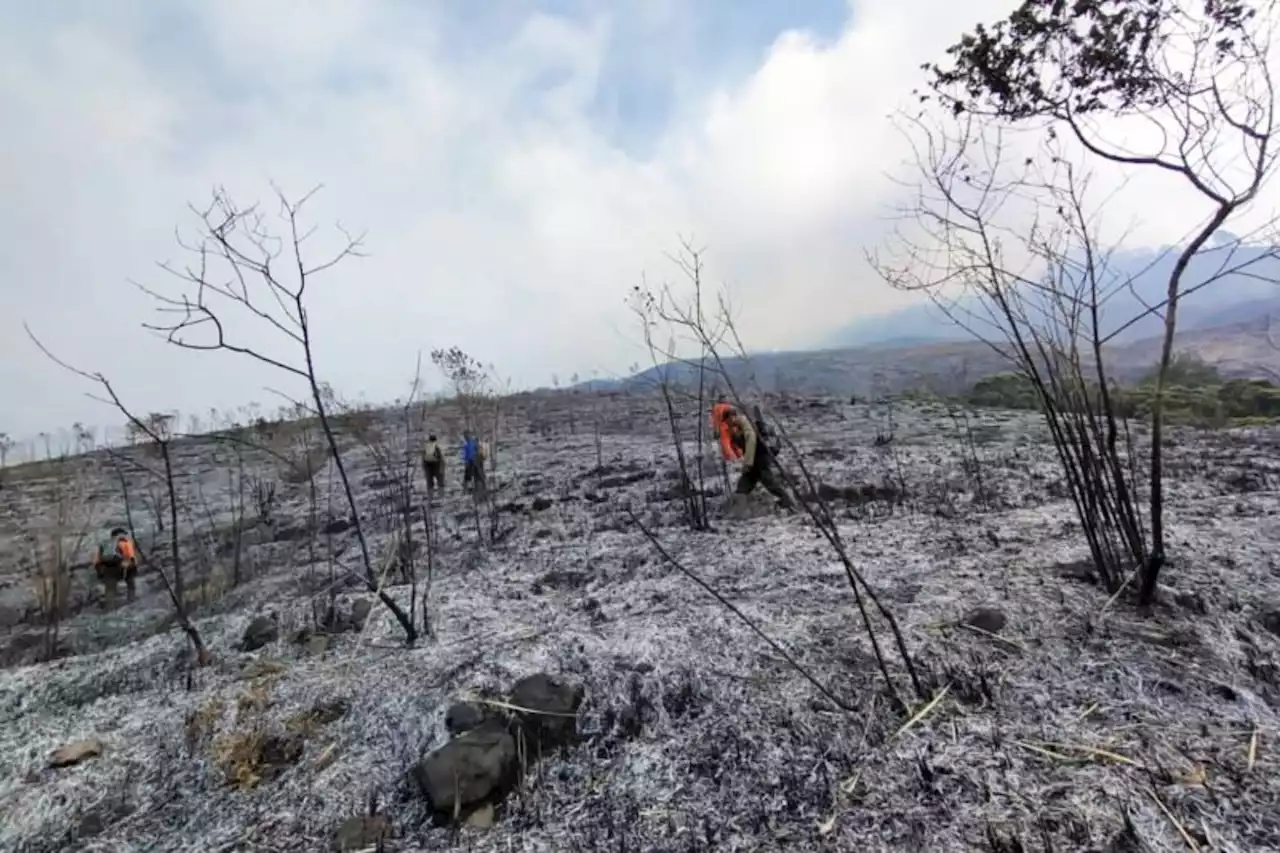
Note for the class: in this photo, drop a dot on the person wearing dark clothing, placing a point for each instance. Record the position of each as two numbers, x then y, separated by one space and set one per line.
433 464
115 560
756 457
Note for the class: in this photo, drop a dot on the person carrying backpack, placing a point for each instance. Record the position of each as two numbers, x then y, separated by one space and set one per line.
433 464
116 559
740 441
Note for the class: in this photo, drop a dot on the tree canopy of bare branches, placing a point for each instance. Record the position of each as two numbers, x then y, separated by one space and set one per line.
686 323
469 380
240 267
156 428
1176 88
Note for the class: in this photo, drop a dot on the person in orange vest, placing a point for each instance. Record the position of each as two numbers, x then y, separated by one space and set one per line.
116 559
721 423
740 442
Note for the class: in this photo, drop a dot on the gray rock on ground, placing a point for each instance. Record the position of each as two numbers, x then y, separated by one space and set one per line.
463 717
1270 619
360 610
549 715
989 619
262 631
475 768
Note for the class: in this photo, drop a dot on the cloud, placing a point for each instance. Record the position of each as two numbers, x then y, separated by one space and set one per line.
517 167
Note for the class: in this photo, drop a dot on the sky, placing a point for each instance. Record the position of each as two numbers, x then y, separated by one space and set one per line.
516 166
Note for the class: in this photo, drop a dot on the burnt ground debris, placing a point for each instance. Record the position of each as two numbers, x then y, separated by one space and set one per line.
1091 725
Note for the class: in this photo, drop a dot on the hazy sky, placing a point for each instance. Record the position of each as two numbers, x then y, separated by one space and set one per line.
518 166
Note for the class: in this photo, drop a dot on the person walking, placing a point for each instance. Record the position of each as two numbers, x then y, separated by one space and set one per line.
472 463
433 464
740 442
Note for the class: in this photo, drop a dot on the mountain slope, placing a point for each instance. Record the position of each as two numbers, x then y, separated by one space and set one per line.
1235 297
1240 350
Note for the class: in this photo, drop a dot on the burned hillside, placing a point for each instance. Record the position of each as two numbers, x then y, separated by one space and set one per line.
589 696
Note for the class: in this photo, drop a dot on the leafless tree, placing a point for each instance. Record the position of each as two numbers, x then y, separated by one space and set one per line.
58 536
394 448
1177 88
574 391
473 389
468 379
1040 308
500 391
157 430
657 311
715 334
239 265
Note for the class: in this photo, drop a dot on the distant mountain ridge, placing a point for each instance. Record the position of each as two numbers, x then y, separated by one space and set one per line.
1235 297
1247 350
1225 323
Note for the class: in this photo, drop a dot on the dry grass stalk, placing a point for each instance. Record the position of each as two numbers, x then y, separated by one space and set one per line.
922 713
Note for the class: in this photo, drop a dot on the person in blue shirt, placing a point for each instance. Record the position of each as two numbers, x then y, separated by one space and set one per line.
472 462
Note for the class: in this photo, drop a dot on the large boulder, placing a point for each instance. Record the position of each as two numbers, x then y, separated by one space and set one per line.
548 710
474 769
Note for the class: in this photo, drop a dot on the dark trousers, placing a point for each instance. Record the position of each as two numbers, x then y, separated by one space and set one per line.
434 472
111 573
473 473
762 474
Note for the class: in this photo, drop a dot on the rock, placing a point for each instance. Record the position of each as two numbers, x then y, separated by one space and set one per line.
10 617
91 824
539 504
989 619
463 717
564 579
318 644
338 525
550 718
361 832
1270 619
262 631
75 752
477 767
483 817
360 610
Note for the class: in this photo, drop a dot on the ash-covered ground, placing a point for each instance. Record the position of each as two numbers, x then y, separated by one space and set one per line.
1084 725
